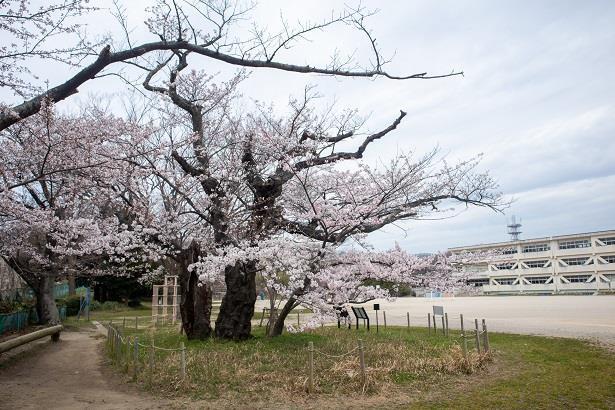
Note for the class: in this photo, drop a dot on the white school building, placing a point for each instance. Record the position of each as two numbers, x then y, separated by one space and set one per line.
578 263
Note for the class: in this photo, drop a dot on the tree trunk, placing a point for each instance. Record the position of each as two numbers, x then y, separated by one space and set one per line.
196 301
278 327
45 303
237 308
71 285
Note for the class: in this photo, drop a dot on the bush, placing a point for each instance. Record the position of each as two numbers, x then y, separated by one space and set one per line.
72 304
95 305
110 305
134 302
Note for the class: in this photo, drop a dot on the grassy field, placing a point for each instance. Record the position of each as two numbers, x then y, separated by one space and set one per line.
406 368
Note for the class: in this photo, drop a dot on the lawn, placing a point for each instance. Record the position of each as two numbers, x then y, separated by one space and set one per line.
406 368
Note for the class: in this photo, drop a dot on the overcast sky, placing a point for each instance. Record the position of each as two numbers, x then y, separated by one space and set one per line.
537 100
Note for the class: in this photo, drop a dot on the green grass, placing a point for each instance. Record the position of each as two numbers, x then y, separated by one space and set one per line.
406 368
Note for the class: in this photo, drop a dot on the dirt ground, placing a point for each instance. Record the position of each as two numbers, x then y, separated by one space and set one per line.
69 374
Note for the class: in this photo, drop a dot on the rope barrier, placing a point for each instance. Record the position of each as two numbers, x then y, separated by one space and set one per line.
336 356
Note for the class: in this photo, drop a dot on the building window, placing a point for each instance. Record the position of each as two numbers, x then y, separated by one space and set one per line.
536 264
541 247
609 258
509 251
578 278
505 266
505 281
607 241
537 279
582 243
478 282
577 261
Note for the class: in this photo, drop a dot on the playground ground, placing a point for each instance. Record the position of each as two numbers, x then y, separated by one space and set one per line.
582 317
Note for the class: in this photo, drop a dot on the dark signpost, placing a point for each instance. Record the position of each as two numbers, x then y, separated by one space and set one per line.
360 313
376 308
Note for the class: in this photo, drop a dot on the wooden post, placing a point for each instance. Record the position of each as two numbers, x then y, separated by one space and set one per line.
429 322
151 362
262 318
477 334
298 321
311 367
183 361
136 358
463 338
446 320
435 330
385 318
443 327
408 317
362 362
118 349
127 354
165 301
124 323
155 304
485 337
376 321
175 299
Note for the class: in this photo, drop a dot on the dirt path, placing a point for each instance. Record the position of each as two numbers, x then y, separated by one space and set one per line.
66 375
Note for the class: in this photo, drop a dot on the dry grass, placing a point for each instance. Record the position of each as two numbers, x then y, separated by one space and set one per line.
278 368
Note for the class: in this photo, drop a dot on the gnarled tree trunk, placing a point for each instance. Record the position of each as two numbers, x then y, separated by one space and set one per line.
45 303
196 300
237 309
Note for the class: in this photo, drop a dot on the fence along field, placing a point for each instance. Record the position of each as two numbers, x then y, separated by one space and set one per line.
326 360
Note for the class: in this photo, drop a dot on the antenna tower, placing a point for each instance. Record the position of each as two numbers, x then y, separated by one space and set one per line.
513 228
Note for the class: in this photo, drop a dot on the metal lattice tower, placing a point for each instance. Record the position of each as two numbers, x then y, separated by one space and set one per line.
513 228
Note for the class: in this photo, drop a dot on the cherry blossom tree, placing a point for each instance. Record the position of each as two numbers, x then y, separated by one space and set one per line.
259 174
60 200
221 30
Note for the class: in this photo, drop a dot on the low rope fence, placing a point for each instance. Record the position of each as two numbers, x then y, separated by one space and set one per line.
139 359
360 356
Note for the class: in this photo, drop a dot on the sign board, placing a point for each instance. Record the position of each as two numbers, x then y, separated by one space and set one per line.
376 306
361 314
438 310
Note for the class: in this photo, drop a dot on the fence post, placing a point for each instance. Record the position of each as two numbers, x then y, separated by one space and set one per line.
435 329
463 338
446 320
118 347
485 337
443 327
362 362
298 321
151 362
408 317
127 353
385 318
429 322
183 361
311 367
136 358
124 323
477 336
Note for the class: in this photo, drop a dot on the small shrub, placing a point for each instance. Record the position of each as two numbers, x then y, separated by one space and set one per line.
110 305
72 304
95 305
134 302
